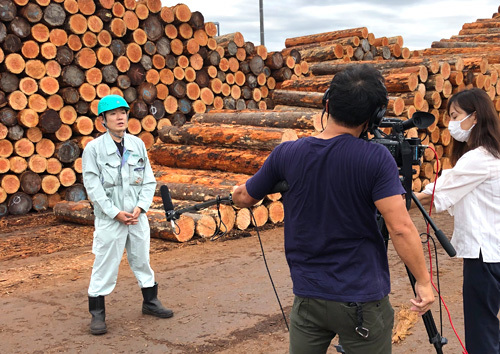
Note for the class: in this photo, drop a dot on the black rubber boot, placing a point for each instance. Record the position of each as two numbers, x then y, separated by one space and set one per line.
151 305
96 308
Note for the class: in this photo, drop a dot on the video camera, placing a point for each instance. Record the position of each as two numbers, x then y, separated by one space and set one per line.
396 142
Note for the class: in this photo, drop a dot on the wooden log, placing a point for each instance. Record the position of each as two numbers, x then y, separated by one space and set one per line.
333 67
10 183
291 120
276 211
4 167
31 182
243 217
17 164
54 166
302 99
8 116
67 151
75 193
77 212
260 215
160 228
19 203
37 163
230 160
205 225
3 205
195 192
312 84
16 133
260 138
401 82
327 36
6 148
67 177
40 202
50 184
24 147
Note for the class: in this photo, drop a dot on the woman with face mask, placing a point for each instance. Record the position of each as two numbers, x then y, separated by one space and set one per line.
470 191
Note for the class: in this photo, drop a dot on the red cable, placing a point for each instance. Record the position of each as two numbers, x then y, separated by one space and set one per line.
430 257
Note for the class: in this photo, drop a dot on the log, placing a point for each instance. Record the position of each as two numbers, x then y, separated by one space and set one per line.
3 205
6 148
290 120
37 163
246 137
75 193
17 164
4 167
260 215
333 67
326 36
160 228
50 184
19 203
67 151
205 225
312 84
230 160
49 121
40 202
194 192
302 99
54 166
224 215
10 183
401 82
243 217
276 211
77 212
218 179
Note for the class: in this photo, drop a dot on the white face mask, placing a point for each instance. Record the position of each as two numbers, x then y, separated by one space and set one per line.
456 130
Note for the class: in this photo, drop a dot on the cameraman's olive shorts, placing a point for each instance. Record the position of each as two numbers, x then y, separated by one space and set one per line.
314 323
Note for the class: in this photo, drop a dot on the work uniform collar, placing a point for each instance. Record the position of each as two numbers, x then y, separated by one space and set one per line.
110 145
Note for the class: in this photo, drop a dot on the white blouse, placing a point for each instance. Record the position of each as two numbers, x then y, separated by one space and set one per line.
470 191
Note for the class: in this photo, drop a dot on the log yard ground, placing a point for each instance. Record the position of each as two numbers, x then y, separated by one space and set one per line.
219 290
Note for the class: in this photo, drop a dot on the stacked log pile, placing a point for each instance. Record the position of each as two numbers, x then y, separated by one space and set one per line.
417 81
206 154
58 58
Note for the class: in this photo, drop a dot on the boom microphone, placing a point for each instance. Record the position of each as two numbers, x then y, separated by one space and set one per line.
167 204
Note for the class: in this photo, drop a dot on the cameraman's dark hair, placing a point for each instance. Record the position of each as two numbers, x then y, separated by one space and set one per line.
486 132
356 94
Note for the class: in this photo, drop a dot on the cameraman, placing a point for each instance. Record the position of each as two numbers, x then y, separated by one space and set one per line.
470 191
335 251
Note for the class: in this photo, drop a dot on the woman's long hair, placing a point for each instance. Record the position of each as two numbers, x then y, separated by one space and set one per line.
486 132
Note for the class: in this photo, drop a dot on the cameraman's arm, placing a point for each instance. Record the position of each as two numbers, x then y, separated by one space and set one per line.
241 198
406 241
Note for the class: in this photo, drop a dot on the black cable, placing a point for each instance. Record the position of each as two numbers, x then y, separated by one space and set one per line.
267 268
218 233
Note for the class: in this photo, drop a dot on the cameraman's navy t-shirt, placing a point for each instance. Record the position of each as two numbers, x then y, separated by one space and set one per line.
333 246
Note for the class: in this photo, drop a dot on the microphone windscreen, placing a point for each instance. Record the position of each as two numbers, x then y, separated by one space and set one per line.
166 198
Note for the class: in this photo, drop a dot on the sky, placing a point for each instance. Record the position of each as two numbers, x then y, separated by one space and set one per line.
419 22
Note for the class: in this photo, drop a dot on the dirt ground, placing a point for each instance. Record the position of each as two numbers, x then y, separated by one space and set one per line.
219 290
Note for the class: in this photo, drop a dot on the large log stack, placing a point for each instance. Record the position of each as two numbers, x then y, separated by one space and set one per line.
58 58
215 128
416 81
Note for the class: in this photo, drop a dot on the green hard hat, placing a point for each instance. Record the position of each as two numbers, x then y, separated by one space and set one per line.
110 102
